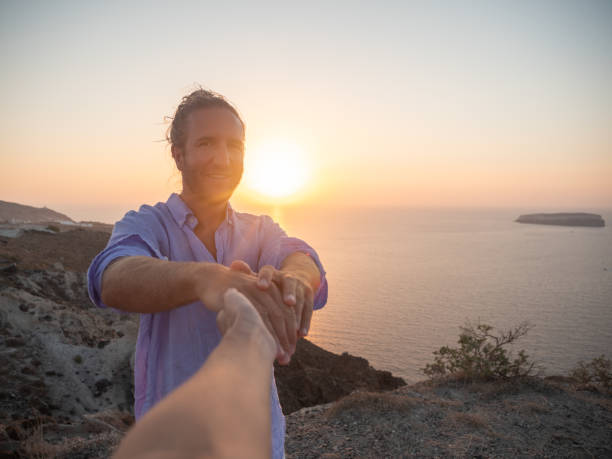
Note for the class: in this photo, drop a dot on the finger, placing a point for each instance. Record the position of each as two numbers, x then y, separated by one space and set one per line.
241 266
263 313
291 326
265 277
288 315
235 307
276 313
307 311
280 355
289 289
224 321
298 308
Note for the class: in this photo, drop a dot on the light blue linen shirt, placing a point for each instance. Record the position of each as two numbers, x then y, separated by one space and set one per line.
173 345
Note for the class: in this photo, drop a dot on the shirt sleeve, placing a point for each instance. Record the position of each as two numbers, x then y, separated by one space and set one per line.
276 246
137 234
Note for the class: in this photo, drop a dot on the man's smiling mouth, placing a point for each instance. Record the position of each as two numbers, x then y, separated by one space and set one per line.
218 176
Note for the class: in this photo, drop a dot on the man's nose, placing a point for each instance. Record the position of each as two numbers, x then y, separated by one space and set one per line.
222 156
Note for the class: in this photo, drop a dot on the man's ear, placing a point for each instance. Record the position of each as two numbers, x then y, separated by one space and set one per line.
177 154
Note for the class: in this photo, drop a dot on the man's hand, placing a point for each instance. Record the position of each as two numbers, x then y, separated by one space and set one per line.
296 291
277 317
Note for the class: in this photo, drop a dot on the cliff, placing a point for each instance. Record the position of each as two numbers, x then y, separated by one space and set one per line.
316 376
563 219
18 213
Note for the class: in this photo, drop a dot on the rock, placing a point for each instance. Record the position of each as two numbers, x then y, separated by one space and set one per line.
316 376
10 268
564 219
101 386
9 448
14 342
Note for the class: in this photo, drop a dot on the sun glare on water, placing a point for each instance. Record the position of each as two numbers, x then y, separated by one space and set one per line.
276 170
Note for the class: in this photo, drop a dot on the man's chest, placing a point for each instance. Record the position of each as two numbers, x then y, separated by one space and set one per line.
207 239
223 246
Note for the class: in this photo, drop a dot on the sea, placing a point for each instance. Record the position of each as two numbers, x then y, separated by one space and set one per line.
403 281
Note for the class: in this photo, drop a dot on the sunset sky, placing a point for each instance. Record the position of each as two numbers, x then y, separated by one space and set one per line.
431 103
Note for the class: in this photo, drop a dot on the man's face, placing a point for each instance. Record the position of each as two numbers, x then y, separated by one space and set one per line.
212 157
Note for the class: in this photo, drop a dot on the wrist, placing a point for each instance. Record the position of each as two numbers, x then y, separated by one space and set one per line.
206 279
303 266
255 342
305 276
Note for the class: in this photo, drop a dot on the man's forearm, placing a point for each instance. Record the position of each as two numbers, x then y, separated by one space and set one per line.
147 285
301 264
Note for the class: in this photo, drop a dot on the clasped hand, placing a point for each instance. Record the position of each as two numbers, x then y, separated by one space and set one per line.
288 316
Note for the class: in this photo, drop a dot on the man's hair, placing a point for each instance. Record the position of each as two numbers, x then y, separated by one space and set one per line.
198 99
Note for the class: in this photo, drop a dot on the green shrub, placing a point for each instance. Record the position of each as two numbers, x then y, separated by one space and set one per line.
482 355
597 371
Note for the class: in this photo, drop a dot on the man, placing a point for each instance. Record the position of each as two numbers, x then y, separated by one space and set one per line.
173 262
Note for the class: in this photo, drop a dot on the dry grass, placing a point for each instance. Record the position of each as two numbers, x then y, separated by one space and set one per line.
444 403
35 446
594 398
528 407
495 390
534 408
473 420
98 436
463 443
96 445
372 402
460 420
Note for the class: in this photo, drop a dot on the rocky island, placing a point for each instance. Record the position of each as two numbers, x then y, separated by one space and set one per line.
66 376
564 219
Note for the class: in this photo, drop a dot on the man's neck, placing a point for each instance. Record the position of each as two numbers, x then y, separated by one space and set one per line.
209 214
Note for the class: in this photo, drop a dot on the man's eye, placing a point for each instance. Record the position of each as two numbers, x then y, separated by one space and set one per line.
237 148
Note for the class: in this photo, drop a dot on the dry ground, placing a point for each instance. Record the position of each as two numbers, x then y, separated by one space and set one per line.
532 418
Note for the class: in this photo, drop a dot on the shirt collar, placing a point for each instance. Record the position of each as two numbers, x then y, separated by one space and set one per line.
182 213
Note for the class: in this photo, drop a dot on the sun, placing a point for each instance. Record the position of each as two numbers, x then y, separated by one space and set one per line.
276 169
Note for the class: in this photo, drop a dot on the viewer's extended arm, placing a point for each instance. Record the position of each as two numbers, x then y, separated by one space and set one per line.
223 410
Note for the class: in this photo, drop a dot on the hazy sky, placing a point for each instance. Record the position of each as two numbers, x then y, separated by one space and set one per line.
394 103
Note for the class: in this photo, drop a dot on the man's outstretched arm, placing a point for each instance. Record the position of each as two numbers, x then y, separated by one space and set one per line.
223 411
147 285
